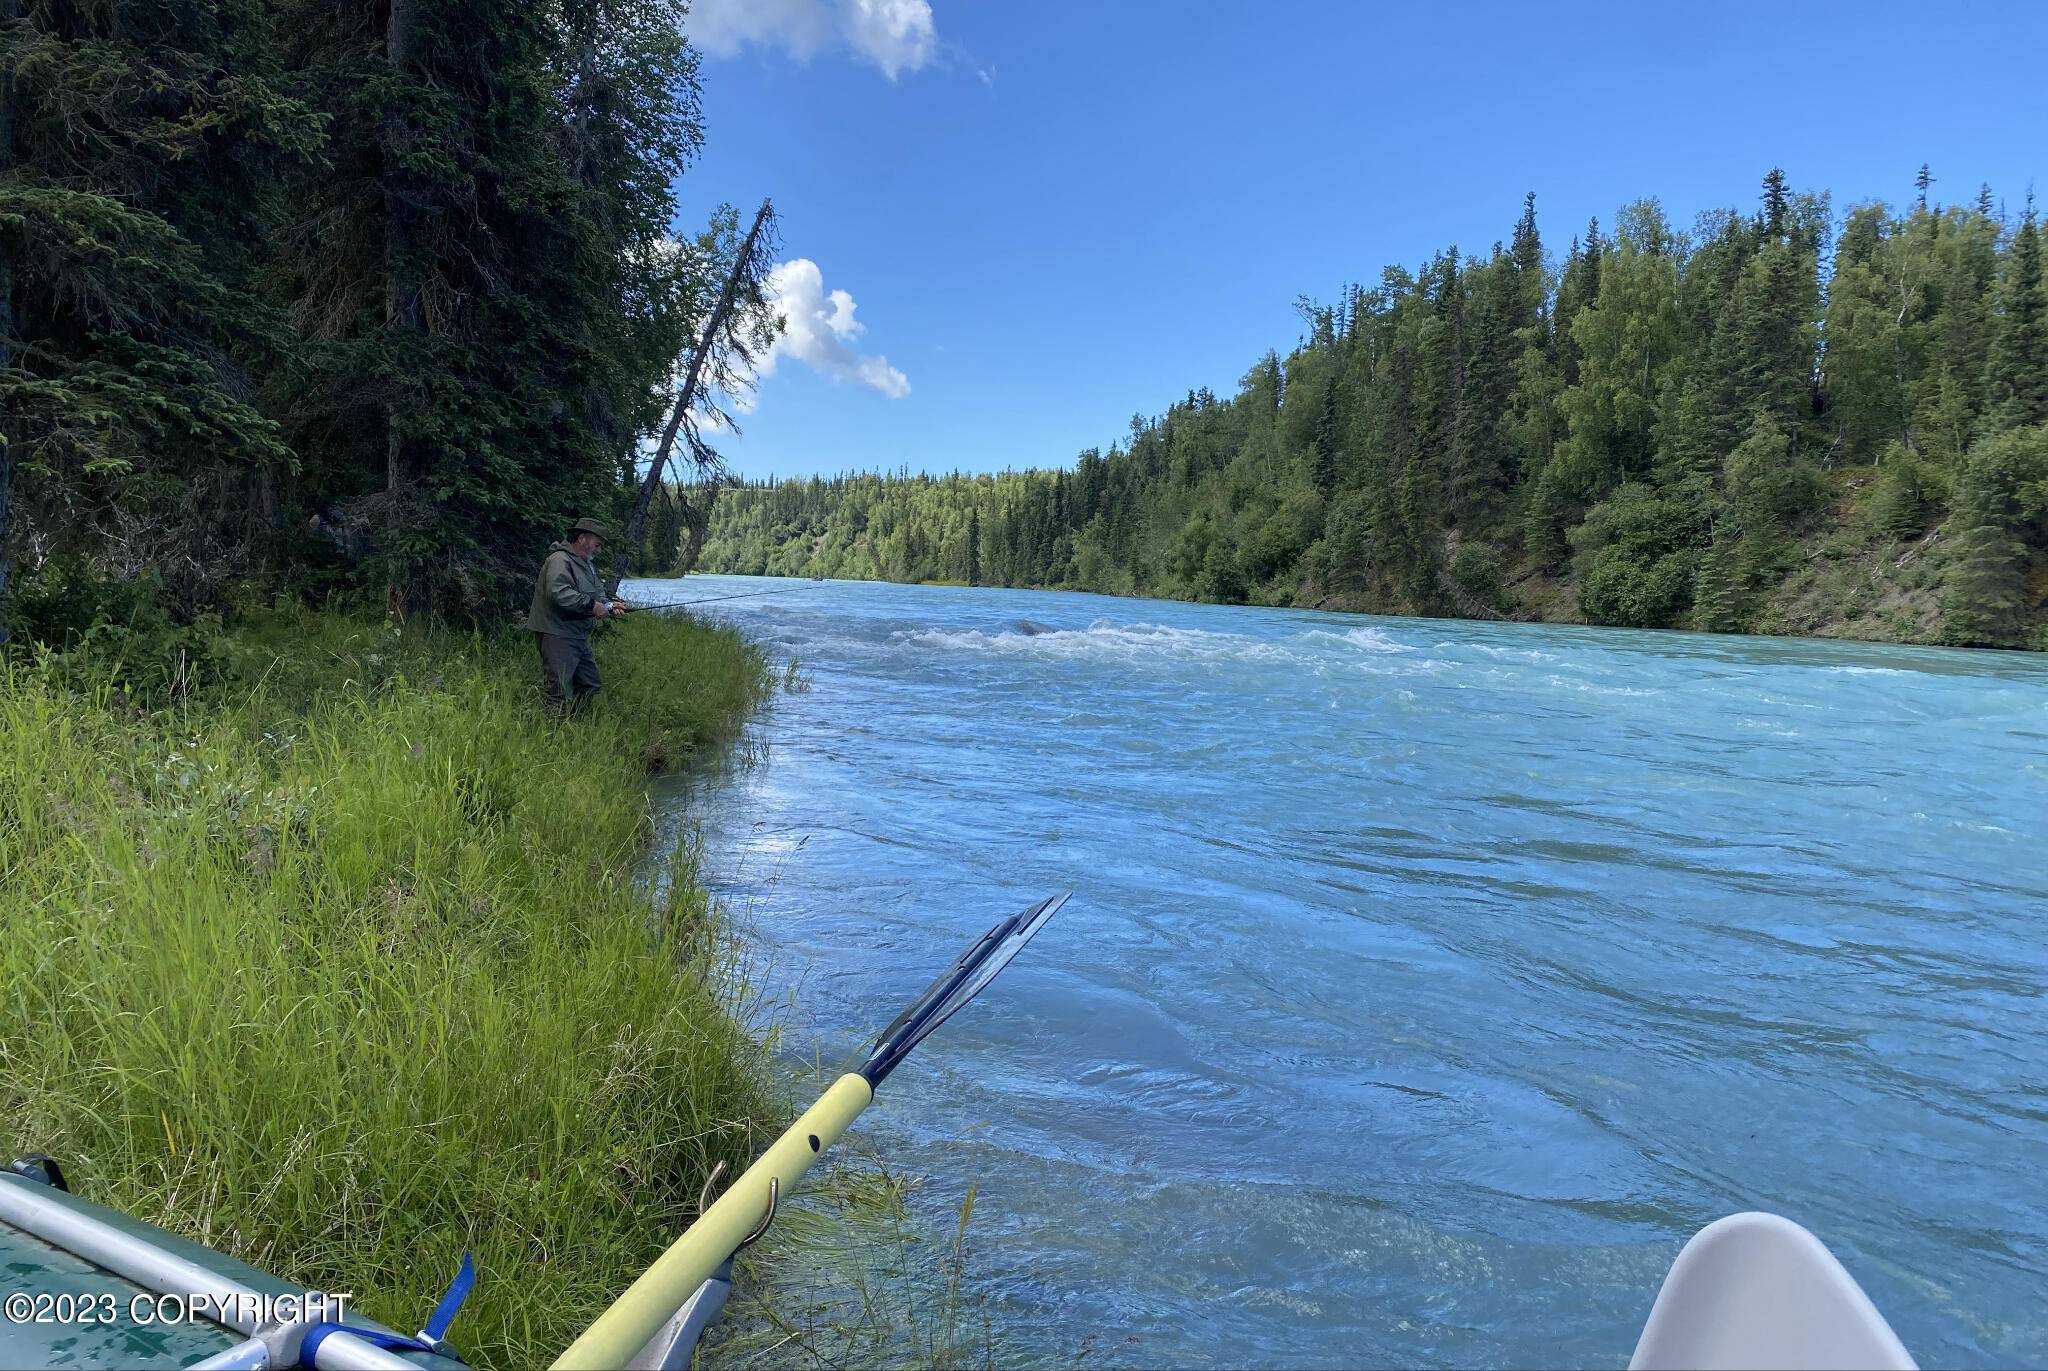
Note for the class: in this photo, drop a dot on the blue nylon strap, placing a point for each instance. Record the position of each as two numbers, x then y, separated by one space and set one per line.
430 1338
451 1300
320 1332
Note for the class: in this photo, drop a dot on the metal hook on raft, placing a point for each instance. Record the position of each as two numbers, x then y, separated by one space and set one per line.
704 1194
774 1202
774 1197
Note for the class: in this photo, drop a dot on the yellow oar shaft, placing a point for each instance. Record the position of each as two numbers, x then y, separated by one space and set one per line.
638 1315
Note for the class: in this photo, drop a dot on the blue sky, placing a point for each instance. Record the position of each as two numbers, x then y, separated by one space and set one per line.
1048 216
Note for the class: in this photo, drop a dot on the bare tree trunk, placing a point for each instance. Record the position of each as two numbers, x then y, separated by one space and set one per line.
579 120
685 398
10 14
403 320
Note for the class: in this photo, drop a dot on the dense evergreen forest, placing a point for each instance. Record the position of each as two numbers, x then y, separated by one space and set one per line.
356 296
1772 422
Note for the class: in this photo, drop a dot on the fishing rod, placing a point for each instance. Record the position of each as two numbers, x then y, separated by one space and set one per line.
714 599
657 1321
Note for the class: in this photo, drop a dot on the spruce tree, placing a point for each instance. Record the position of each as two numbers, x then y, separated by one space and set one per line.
140 144
1577 288
1721 601
1526 257
1691 444
491 241
1949 400
1777 202
2001 517
1325 463
1479 473
1774 311
1986 589
2016 387
1898 508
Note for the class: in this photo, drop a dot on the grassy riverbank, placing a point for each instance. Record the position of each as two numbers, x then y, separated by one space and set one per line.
341 964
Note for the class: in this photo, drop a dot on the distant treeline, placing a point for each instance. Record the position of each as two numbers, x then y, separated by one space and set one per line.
1772 422
352 293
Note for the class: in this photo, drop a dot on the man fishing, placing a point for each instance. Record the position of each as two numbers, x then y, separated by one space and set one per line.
567 596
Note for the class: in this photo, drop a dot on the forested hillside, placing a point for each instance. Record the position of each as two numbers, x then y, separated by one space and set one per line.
1770 422
374 295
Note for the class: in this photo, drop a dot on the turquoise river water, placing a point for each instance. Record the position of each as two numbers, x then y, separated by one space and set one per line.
1425 983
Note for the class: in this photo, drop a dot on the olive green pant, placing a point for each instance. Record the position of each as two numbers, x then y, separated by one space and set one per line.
568 671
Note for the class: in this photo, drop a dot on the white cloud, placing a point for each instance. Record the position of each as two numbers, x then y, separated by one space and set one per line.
723 27
895 35
818 330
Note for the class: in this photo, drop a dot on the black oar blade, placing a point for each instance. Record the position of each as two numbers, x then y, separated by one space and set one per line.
1026 928
945 981
962 981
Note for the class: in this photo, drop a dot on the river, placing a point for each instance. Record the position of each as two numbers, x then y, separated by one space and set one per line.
1425 983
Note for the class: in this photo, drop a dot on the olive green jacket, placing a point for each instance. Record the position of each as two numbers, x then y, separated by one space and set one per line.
564 594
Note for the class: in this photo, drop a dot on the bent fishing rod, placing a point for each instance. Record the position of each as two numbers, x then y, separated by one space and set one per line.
714 599
678 1296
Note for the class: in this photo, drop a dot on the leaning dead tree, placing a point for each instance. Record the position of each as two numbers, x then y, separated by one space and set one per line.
741 327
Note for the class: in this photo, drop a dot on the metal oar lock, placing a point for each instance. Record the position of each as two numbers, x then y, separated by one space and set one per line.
656 1323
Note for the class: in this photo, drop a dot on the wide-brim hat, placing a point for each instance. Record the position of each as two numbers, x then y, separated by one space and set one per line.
590 526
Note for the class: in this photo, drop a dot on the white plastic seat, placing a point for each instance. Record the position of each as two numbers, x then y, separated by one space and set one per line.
1756 1292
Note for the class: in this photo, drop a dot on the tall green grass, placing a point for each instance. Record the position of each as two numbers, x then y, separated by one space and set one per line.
344 967
850 1278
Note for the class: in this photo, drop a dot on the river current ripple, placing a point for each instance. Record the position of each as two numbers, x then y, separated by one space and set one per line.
1425 983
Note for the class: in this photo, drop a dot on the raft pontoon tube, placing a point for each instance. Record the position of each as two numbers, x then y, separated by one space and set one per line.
150 1298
